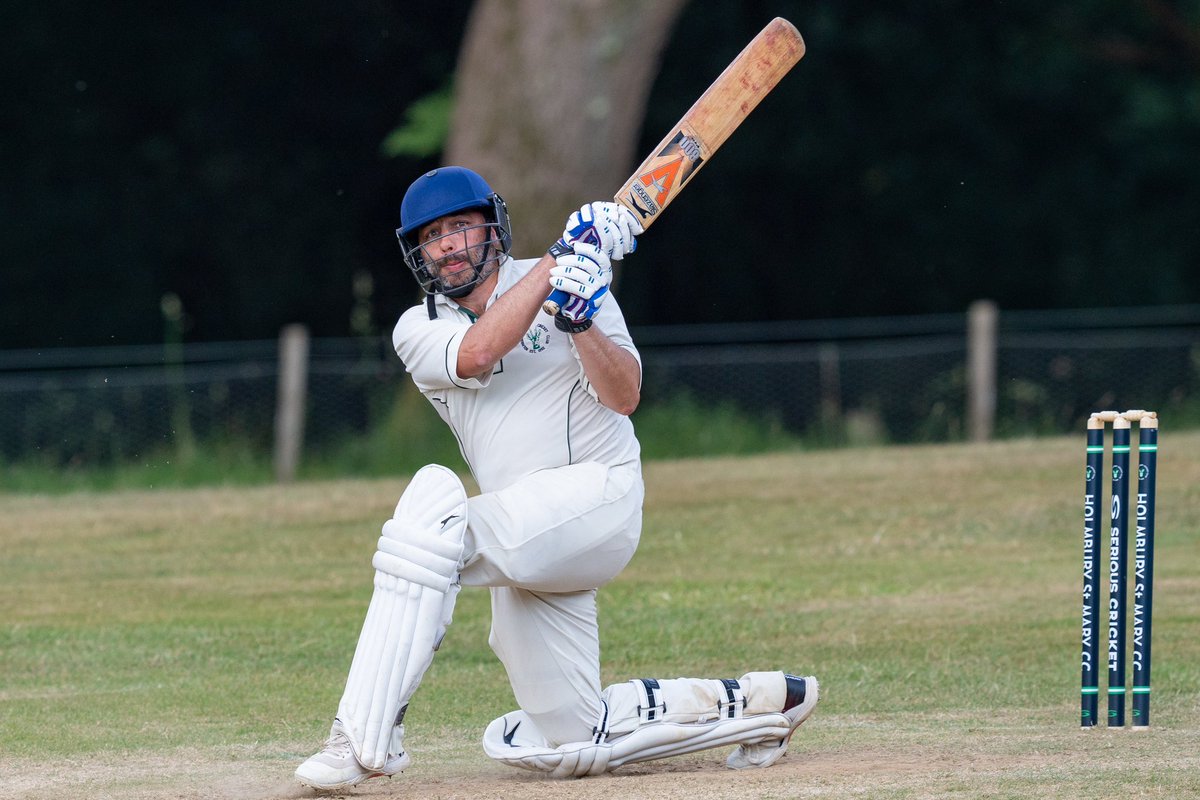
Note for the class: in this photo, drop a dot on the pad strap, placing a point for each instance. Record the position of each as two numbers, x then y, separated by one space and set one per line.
653 706
733 704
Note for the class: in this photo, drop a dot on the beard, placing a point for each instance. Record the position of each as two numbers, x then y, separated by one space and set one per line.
457 274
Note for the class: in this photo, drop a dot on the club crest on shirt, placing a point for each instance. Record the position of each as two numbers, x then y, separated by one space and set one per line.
536 339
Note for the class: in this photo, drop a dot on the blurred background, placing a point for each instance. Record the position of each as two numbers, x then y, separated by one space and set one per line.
180 183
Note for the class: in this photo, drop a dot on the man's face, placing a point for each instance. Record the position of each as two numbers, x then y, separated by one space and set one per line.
453 245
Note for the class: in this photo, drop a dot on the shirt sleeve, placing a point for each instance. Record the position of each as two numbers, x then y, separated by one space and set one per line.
429 350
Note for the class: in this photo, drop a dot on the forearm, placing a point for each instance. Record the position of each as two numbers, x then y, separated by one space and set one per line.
499 329
613 371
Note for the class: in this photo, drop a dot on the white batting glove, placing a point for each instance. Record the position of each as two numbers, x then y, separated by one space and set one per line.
584 275
610 226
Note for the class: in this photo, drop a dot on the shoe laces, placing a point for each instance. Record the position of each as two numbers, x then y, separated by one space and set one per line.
338 744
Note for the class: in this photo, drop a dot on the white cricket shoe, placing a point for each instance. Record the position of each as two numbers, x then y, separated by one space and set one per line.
336 767
802 695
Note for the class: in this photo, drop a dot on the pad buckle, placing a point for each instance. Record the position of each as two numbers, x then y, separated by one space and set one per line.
733 704
652 711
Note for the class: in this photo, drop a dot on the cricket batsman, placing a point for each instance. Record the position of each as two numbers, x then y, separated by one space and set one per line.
540 407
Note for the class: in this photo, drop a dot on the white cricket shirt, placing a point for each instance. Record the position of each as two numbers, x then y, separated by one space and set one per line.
535 409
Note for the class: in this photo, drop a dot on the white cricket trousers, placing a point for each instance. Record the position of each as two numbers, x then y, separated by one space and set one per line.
544 545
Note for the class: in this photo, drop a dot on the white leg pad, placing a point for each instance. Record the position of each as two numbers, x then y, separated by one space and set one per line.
646 720
416 583
687 700
514 740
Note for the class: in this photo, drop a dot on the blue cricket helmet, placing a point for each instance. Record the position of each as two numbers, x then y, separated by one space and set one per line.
443 191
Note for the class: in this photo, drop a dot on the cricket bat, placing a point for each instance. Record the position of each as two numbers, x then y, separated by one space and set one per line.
706 126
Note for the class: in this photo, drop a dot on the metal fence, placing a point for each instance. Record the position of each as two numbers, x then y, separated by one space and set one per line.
106 404
894 379
905 379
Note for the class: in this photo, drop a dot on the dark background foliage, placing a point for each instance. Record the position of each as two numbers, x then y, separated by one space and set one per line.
922 155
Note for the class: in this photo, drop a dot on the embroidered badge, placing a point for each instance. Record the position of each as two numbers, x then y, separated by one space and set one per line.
536 339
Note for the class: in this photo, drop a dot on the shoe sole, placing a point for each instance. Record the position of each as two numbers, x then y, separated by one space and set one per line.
349 784
336 787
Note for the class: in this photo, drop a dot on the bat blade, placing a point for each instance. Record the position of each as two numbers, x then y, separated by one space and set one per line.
707 124
712 118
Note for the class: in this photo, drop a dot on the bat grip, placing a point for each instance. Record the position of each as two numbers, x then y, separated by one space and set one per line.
555 301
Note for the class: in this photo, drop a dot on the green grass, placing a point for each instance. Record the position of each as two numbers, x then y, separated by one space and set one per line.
934 591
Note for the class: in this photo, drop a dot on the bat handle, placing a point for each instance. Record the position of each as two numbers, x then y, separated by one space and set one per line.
555 301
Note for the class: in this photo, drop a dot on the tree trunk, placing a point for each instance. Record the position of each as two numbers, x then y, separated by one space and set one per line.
549 101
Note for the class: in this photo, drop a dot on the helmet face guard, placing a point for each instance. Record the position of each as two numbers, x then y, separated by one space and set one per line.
481 253
446 191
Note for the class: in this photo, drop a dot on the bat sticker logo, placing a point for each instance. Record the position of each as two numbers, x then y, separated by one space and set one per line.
670 170
689 146
647 208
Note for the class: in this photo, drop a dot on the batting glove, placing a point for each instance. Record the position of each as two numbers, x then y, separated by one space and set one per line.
584 275
610 226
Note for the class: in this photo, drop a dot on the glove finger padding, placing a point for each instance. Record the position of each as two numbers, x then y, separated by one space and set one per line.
609 226
630 221
579 224
628 226
582 227
616 218
583 273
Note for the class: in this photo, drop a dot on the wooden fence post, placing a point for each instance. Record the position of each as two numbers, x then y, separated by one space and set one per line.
289 405
830 382
982 323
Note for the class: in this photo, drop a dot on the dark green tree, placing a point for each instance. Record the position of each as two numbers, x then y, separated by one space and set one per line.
251 159
927 154
226 152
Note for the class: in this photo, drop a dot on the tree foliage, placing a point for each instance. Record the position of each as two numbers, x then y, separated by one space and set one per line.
227 152
927 154
921 155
